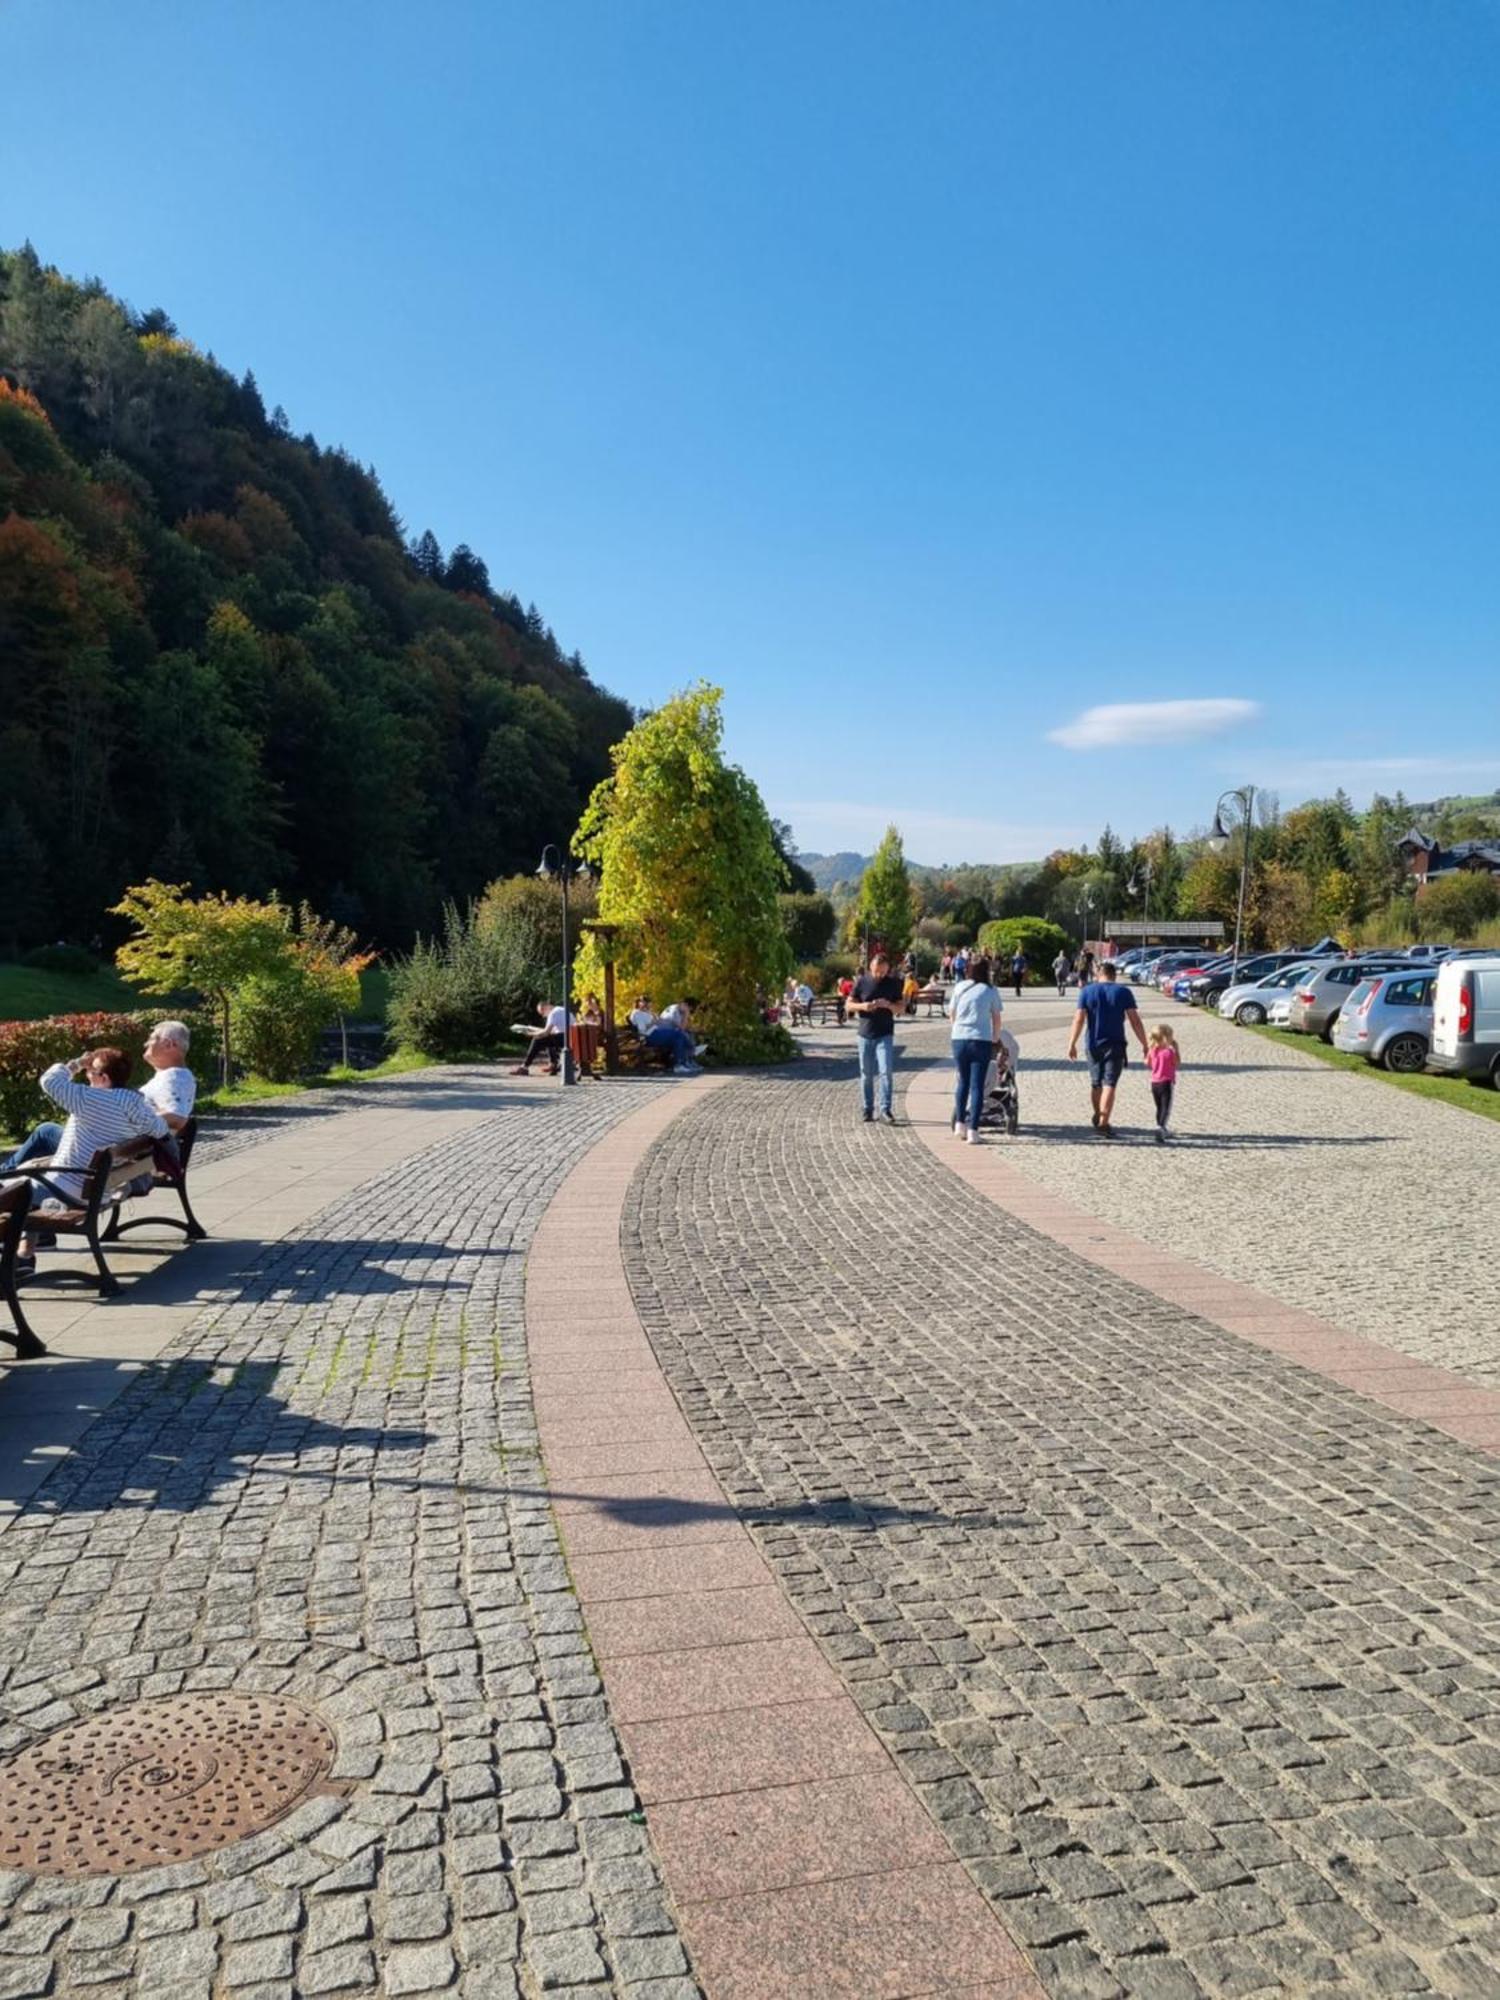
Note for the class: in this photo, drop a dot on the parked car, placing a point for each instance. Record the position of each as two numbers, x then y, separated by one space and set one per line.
1205 988
1250 1003
1466 1016
1168 980
1429 950
1280 1010
1388 1019
1318 999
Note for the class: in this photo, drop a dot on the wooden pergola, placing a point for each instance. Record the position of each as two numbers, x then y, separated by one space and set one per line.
608 934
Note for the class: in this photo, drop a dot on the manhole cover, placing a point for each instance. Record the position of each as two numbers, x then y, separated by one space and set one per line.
158 1781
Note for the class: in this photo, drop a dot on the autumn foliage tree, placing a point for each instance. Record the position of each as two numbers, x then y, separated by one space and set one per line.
689 872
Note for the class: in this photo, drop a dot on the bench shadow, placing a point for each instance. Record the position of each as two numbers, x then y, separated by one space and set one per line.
868 1513
299 1269
211 1424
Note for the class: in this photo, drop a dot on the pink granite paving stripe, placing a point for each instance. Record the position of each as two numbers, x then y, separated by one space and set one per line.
1420 1391
800 1861
745 1749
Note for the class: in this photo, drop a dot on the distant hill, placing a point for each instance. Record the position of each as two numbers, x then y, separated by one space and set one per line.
827 870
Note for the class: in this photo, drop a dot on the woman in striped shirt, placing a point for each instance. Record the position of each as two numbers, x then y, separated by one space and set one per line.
101 1112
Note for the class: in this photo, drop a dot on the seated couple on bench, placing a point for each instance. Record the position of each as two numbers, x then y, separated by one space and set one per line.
668 1033
102 1111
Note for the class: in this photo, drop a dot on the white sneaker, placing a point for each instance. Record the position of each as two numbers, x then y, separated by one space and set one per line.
700 1048
971 1135
686 1069
959 1128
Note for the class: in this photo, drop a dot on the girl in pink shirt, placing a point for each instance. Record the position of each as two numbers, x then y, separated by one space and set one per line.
1163 1058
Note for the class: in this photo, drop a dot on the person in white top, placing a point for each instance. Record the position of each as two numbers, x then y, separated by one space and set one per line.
976 1013
173 1090
668 1032
101 1112
548 1038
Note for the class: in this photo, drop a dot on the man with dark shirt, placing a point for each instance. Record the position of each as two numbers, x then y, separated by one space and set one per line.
1106 1010
873 1003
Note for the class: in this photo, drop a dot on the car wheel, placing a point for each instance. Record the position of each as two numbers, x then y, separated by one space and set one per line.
1406 1054
1250 1014
1326 1033
1495 1072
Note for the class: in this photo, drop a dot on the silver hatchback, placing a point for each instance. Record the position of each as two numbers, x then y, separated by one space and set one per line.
1388 1019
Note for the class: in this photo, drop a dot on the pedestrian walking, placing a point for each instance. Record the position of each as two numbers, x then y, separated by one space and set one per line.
1018 966
876 996
1085 966
975 1009
1106 1009
1164 1060
1062 966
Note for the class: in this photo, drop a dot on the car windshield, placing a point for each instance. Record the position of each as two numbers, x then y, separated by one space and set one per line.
1288 976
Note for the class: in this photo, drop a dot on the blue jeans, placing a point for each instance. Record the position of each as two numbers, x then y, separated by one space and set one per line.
41 1145
665 1036
971 1059
877 1052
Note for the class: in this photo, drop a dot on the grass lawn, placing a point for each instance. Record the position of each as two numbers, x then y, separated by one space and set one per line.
27 995
1452 1090
253 1089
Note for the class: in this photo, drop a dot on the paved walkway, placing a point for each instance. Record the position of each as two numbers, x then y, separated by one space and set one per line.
955 1617
1370 1206
1189 1652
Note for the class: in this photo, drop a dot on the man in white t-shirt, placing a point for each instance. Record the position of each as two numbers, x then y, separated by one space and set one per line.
548 1039
667 1033
173 1090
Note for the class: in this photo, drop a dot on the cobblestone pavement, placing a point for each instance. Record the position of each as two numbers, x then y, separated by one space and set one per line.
1191 1653
329 1488
1372 1207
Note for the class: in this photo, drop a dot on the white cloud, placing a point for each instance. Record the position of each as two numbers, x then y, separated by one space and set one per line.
831 826
1126 722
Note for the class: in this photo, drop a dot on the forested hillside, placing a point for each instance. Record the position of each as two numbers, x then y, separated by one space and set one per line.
220 663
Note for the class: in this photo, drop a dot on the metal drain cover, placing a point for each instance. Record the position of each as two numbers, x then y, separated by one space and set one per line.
159 1781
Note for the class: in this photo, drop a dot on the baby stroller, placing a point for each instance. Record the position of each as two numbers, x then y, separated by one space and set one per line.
1002 1094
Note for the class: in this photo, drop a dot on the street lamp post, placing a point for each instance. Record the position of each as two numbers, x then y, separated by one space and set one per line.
1133 887
1218 840
556 863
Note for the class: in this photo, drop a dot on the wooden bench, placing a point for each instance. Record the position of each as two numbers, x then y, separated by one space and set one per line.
637 1054
109 1180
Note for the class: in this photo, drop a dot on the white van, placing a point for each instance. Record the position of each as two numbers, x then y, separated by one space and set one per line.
1466 1017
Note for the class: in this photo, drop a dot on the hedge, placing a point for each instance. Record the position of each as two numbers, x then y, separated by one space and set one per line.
29 1047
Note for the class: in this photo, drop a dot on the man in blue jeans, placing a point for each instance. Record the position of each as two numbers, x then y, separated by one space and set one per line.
873 1003
1106 1009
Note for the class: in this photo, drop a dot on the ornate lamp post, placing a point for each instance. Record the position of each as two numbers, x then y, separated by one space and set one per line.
1218 840
561 865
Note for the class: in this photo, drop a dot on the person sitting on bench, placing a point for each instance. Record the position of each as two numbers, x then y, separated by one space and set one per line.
548 1038
102 1112
666 1035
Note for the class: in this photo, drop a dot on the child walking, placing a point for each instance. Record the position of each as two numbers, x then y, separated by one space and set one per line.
1163 1058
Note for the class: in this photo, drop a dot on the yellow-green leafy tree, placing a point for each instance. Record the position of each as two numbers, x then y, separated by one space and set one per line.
689 871
213 944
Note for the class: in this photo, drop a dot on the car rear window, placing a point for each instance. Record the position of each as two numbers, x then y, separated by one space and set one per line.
1345 975
1408 993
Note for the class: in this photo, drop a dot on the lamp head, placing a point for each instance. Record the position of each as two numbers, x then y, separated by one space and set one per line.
1218 838
549 862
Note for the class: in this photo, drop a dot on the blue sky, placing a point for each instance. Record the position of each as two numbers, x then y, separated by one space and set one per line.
926 375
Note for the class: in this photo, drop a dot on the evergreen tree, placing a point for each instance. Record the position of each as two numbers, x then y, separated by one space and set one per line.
884 911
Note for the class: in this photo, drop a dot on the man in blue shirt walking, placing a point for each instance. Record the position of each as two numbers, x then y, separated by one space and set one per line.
1106 1009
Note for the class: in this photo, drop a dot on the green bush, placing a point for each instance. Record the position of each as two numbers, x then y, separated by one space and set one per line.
956 935
928 960
839 965
459 993
809 923
278 1019
755 1046
1451 911
29 1047
815 976
69 958
1040 941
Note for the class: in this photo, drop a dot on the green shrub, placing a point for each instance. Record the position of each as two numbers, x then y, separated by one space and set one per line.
815 976
68 958
1451 911
956 935
928 960
1040 941
754 1046
278 1018
840 965
459 993
809 923
29 1047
